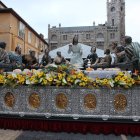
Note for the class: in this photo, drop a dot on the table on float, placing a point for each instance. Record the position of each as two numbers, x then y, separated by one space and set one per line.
101 73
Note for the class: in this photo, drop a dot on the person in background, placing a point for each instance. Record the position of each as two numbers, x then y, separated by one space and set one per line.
46 59
77 52
4 58
59 59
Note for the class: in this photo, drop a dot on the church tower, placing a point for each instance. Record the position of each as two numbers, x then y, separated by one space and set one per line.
116 16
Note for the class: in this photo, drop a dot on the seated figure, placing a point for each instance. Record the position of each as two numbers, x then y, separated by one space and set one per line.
93 57
46 59
104 62
15 57
30 60
59 59
120 58
132 54
4 58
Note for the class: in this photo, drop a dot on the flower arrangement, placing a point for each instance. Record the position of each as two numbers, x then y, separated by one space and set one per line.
122 79
65 76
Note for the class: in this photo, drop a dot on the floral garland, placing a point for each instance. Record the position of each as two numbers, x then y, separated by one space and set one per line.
64 76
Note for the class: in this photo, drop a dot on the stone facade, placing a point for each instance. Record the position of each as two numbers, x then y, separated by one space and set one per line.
100 35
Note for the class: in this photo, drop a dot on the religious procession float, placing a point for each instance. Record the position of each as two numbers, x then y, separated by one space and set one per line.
63 98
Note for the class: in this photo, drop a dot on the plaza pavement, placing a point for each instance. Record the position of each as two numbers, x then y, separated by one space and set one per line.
38 135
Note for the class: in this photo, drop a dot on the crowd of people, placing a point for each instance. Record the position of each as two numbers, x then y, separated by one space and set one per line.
127 52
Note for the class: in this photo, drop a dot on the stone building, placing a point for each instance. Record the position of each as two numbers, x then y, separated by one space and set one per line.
100 35
15 31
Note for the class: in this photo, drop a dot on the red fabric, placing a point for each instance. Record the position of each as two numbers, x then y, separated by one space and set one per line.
75 127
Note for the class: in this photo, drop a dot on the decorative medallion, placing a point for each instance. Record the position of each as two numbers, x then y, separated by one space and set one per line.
34 100
9 99
120 102
90 101
61 101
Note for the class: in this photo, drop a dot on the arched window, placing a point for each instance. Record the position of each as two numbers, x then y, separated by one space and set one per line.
100 35
112 9
54 37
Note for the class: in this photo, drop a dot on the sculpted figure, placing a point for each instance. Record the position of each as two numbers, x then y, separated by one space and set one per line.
77 52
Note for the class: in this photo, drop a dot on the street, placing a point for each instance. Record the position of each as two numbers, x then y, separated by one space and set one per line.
38 135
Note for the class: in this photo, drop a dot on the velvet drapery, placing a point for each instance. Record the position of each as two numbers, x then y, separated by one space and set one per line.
71 126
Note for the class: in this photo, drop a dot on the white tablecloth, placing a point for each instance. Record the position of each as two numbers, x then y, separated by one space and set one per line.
101 73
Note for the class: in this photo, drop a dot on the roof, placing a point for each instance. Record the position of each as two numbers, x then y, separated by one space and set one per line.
1 3
10 10
80 28
85 48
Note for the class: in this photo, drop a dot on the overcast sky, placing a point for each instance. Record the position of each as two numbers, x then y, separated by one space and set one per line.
39 13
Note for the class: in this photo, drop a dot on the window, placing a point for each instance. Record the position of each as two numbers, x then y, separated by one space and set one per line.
100 35
64 37
112 36
29 37
54 37
21 47
112 22
21 32
87 36
53 46
112 9
36 42
77 36
100 44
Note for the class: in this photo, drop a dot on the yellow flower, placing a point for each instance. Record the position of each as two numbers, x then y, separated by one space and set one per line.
120 73
80 75
117 79
10 77
2 79
40 74
74 76
105 80
50 79
21 79
60 76
44 82
84 79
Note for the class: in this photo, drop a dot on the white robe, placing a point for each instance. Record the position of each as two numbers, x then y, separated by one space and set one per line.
76 57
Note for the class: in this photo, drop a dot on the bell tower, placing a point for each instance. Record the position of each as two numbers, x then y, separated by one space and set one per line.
116 16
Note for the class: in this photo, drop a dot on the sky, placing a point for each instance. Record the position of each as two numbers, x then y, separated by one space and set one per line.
39 13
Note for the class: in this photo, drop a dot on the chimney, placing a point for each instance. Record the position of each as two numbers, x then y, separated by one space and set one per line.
48 25
42 36
59 25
